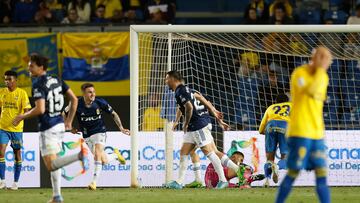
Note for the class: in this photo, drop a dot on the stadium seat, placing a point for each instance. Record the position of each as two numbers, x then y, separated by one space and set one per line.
338 16
352 120
198 5
310 17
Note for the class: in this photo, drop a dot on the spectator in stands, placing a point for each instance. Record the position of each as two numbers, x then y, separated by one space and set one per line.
355 19
72 17
43 15
131 17
280 15
269 90
100 14
251 17
56 9
110 7
157 17
298 46
262 10
118 17
329 21
151 119
249 63
351 47
286 4
166 7
135 6
5 12
83 9
25 11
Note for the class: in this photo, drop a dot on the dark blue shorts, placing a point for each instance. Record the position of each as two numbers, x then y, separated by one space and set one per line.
275 136
306 153
16 139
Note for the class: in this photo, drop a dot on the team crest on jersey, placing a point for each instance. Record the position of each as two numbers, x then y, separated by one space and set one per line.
98 111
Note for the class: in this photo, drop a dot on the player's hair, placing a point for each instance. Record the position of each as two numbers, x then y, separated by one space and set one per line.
238 153
100 6
86 85
40 60
11 73
282 98
174 74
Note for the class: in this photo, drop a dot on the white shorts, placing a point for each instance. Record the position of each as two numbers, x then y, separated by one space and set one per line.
200 137
51 139
98 138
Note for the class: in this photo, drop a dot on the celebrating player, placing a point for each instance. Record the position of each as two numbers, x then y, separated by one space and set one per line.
196 128
306 127
246 176
91 124
273 126
48 92
13 101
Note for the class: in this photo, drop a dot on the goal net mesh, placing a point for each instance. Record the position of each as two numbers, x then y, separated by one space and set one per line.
241 74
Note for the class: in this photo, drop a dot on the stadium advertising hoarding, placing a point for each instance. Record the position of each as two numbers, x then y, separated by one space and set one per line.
30 175
343 156
342 152
151 161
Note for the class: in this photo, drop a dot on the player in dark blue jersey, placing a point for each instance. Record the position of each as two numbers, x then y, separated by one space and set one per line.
197 128
49 92
89 114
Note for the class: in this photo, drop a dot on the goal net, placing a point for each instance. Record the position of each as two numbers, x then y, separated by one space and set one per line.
241 70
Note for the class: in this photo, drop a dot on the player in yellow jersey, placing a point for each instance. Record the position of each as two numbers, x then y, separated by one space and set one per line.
308 88
13 101
273 126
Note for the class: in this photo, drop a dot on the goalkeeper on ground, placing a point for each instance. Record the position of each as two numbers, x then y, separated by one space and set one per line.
244 173
306 129
273 126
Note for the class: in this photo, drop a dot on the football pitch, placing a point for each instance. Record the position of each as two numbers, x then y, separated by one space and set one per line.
148 195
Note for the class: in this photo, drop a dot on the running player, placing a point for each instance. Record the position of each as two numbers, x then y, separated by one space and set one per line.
196 128
308 87
48 92
273 126
13 101
91 124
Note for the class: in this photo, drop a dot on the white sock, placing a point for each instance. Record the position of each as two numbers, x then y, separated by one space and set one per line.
111 157
197 172
56 182
64 161
225 161
97 170
217 165
182 169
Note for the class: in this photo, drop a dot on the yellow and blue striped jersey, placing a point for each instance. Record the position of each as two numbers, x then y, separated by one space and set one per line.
279 111
308 93
12 104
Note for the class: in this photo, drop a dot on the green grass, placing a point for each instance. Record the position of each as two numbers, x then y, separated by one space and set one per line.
105 195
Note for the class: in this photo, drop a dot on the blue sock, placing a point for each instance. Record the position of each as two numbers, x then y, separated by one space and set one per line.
268 170
17 170
2 168
322 190
284 189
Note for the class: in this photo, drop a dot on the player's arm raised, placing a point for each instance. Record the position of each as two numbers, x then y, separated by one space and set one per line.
72 110
117 120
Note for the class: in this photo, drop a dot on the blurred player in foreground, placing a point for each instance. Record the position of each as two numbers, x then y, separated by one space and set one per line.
92 126
196 128
273 126
48 93
308 87
244 173
13 101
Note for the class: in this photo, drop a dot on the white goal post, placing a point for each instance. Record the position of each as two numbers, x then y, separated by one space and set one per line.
205 36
